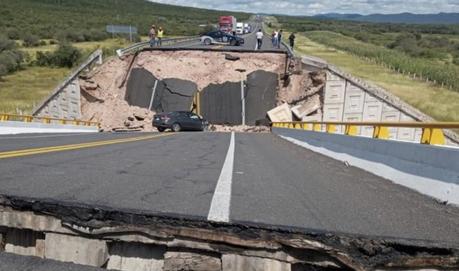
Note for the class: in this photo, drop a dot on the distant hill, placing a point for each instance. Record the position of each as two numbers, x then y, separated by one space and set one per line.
80 18
409 18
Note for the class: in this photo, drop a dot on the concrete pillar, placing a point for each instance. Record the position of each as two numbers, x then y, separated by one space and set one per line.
24 242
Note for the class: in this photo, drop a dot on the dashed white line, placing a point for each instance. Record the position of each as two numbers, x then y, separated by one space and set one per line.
221 200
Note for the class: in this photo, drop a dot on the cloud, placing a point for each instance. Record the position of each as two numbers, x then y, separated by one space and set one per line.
312 7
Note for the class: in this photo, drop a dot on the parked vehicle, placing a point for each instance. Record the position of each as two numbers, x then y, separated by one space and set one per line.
247 28
227 24
240 28
220 37
179 121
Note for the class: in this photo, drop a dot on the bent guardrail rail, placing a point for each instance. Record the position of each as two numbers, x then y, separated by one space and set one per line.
431 131
144 44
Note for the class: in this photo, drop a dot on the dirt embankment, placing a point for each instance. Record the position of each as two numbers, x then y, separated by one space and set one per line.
103 91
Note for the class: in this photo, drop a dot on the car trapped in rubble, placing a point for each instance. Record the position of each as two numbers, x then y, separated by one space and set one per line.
179 121
220 37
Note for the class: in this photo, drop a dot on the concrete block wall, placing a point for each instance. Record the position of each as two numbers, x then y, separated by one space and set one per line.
344 100
66 104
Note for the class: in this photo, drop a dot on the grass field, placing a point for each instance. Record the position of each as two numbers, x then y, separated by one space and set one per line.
20 91
23 89
440 103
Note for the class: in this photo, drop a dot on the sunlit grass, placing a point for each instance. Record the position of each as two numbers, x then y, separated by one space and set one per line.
19 92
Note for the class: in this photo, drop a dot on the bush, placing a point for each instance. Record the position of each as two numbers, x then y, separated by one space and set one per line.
65 56
31 41
10 57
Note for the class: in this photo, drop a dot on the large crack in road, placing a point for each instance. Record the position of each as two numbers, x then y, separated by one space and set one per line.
300 249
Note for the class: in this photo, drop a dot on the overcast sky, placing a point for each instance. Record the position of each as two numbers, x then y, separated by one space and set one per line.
312 7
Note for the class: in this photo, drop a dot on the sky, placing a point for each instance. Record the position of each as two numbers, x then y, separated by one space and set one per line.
313 7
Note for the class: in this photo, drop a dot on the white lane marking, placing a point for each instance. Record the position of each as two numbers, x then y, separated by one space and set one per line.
221 201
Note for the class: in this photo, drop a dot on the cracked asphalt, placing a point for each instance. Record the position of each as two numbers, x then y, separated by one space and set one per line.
274 182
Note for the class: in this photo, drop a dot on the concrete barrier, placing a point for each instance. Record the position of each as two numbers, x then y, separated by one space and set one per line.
19 127
430 170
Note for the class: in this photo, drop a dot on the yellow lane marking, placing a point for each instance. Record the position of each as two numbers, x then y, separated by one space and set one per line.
26 152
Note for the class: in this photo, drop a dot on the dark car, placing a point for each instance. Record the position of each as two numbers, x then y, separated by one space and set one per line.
220 37
179 121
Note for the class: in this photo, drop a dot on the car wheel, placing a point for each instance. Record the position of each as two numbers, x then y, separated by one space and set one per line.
233 42
176 127
207 42
161 129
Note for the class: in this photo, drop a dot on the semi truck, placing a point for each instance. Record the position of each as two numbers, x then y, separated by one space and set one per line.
240 28
227 24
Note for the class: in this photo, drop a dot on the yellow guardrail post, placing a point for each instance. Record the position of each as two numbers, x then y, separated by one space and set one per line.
331 128
297 126
433 136
380 132
350 130
317 127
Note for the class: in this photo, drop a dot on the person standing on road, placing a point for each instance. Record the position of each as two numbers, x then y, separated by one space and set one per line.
160 35
279 39
259 39
152 36
274 38
291 38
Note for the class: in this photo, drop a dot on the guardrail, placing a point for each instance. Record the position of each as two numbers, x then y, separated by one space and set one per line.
431 131
144 44
46 120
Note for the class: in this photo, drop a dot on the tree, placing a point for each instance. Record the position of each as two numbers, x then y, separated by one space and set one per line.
31 40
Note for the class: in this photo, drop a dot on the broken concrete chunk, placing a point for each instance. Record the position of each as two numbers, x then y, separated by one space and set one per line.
237 262
311 105
280 113
187 261
231 57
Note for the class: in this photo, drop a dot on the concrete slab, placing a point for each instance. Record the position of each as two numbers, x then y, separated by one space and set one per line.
311 105
280 113
75 249
221 103
136 256
260 95
237 262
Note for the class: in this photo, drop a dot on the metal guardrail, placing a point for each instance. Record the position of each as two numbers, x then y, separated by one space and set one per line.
431 131
46 120
96 55
145 44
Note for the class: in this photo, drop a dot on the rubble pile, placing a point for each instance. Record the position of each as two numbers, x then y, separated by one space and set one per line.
103 90
301 98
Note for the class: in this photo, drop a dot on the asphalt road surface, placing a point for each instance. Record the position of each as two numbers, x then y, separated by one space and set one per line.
250 43
256 178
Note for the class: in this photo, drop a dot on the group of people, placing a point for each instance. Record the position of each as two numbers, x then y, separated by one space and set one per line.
156 36
276 39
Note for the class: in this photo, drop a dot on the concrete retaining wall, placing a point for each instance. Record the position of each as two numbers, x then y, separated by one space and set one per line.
430 170
17 127
64 101
348 98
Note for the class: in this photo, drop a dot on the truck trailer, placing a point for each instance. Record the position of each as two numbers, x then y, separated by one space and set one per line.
227 24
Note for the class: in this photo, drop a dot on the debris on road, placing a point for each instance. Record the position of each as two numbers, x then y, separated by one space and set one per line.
280 113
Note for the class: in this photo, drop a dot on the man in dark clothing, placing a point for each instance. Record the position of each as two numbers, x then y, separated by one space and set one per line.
291 38
279 39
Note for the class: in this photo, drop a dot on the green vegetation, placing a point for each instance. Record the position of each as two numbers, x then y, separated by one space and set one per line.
85 20
65 56
438 102
394 59
20 91
10 57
